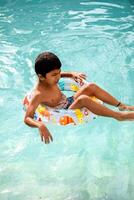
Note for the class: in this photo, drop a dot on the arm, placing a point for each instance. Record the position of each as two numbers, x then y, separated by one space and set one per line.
66 74
44 132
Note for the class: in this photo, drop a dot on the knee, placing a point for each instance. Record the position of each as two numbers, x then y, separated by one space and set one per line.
92 86
82 99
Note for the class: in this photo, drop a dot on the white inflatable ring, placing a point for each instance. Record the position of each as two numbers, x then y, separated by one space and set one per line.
63 116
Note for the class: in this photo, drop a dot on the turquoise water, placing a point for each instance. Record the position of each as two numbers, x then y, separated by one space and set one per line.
89 162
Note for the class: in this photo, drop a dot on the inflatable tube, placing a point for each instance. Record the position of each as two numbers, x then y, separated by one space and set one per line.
62 116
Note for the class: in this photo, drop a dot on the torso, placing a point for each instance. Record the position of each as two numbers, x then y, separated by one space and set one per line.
51 97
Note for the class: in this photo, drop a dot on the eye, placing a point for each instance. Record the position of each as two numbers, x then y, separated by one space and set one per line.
56 74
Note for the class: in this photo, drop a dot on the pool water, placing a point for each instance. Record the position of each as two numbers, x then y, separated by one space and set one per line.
88 162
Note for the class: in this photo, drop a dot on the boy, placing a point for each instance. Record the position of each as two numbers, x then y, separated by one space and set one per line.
48 70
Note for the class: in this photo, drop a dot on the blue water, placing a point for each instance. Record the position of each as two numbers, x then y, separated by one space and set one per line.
89 162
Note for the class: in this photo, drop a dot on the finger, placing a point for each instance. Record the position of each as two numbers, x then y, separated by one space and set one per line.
83 76
79 78
76 79
51 138
47 141
41 138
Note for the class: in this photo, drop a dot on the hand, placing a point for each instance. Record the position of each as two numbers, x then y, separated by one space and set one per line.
45 134
77 76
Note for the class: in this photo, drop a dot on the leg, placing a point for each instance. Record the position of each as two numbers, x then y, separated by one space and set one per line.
96 108
94 90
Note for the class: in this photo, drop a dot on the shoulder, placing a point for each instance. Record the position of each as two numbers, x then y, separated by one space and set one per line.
36 96
34 101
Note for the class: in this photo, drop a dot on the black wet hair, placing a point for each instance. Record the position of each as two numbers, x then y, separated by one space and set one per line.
46 62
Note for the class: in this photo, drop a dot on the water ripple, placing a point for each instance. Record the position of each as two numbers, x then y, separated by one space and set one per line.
21 31
110 5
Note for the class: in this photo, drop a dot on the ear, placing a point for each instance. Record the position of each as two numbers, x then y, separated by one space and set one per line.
41 77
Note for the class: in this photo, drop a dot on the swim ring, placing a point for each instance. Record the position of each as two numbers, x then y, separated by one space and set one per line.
63 116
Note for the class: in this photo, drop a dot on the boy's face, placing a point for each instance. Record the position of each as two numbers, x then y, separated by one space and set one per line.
53 77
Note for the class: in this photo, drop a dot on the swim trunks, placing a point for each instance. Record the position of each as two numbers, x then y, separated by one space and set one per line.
70 100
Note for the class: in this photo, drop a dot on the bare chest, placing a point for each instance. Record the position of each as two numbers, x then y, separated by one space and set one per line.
52 97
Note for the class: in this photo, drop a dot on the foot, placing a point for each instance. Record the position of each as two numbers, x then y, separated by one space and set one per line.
123 107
